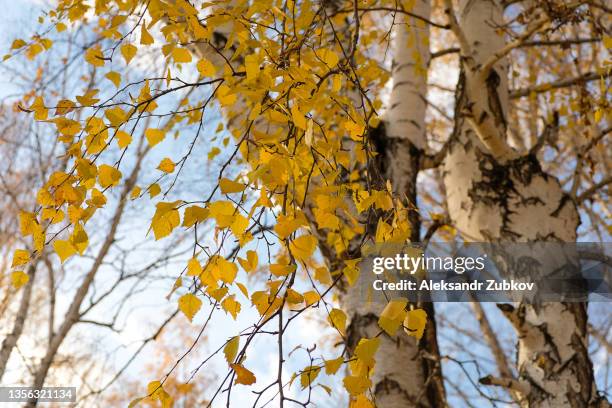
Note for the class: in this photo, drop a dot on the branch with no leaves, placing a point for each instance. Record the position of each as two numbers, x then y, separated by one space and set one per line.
509 383
594 189
535 27
453 23
563 83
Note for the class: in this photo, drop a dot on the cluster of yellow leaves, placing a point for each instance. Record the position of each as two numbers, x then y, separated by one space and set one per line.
306 152
395 315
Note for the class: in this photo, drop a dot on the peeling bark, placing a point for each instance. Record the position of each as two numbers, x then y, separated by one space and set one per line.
494 195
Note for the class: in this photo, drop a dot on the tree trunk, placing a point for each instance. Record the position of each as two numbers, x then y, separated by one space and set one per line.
407 373
10 341
495 195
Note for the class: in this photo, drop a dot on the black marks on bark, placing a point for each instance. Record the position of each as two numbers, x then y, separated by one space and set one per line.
358 328
388 386
495 106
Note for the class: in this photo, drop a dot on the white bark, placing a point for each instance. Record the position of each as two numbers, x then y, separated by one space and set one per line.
495 196
403 376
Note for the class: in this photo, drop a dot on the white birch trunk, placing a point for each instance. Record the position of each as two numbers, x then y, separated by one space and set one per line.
403 376
493 196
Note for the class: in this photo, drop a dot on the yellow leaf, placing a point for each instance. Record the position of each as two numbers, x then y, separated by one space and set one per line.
193 267
322 275
135 192
356 384
228 186
231 306
27 223
231 349
114 77
303 247
133 403
145 37
166 165
19 279
64 106
20 257
123 139
213 153
293 297
356 130
165 219
226 270
281 270
222 212
225 95
329 57
181 55
94 56
298 117
154 136
393 316
154 189
116 116
18 43
88 99
361 402
337 318
157 392
415 322
189 304
193 215
286 225
206 68
40 111
243 289
243 376
128 51
239 225
366 349
60 27
309 374
79 239
108 176
250 263
64 249
52 214
311 297
351 270
332 366
251 64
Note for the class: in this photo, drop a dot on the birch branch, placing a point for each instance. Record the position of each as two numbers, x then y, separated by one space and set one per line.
508 383
453 23
537 26
563 83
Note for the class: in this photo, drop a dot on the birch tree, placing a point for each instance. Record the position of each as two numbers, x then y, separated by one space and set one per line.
496 193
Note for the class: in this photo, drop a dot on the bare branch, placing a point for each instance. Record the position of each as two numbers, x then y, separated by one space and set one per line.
563 83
